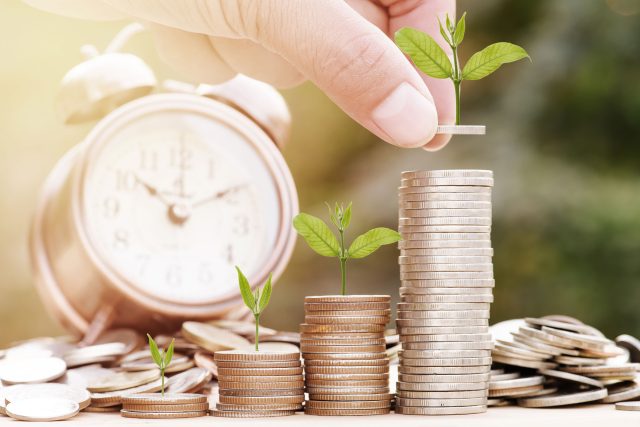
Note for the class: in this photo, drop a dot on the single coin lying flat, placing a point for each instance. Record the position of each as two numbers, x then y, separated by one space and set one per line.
42 409
462 129
36 370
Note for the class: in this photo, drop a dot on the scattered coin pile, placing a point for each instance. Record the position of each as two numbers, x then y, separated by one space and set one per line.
446 274
259 384
557 361
344 350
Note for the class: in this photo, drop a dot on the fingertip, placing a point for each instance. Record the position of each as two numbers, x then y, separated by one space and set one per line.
437 143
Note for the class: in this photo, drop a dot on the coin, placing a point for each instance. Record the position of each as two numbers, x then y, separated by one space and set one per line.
461 129
260 392
483 173
603 370
183 407
445 275
444 354
324 299
445 204
308 349
255 356
467 361
340 320
344 356
451 410
441 259
401 401
191 380
235 385
462 386
516 391
447 181
454 337
98 353
347 340
313 377
516 382
155 399
413 268
123 380
128 337
537 345
352 313
352 412
259 372
523 363
470 394
622 392
306 327
563 399
628 406
179 363
212 338
443 370
444 189
482 345
242 327
113 398
347 385
346 362
32 370
444 322
443 314
347 390
42 409
348 404
162 415
310 307
440 378
446 236
423 197
261 400
47 390
258 364
505 376
251 414
101 409
431 330
581 379
557 324
258 407
347 369
430 213
351 397
260 378
407 306
579 340
444 244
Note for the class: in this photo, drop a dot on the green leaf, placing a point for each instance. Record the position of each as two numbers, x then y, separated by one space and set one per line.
346 218
444 34
317 234
245 290
168 355
448 22
458 35
155 353
425 53
369 242
266 295
489 59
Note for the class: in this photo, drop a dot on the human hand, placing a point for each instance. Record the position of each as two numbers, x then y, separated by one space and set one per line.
343 47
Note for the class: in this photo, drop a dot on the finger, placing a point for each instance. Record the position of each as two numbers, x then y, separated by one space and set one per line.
422 15
82 9
251 59
190 54
349 58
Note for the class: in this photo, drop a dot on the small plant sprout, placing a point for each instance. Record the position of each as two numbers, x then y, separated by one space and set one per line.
429 57
256 301
161 358
321 239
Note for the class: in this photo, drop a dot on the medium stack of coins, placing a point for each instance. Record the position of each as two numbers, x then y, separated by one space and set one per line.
575 363
258 384
343 347
154 406
446 273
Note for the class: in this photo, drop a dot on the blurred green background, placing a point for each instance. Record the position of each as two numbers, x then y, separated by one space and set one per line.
563 139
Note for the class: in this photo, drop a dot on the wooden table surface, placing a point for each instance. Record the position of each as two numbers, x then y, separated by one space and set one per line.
511 416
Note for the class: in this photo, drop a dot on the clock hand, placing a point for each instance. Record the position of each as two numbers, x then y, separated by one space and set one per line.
217 195
153 191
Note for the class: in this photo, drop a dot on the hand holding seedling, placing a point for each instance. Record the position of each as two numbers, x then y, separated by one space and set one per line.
320 238
256 301
160 357
431 59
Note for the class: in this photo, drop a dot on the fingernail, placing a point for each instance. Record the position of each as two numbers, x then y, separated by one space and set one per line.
408 117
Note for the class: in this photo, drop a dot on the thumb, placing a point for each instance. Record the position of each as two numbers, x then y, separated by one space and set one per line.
349 58
355 64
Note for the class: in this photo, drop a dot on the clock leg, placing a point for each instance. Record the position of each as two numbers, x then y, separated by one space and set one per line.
100 323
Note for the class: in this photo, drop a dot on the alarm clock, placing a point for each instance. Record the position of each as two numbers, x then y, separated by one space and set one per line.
143 222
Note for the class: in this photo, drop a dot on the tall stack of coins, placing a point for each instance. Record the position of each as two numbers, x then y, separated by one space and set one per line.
446 273
258 384
343 347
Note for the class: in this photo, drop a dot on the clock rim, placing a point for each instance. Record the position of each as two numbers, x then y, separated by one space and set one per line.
262 144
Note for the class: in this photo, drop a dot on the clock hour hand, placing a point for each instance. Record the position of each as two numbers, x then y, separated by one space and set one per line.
217 195
153 191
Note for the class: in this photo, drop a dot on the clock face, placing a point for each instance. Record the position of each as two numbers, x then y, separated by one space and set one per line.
172 200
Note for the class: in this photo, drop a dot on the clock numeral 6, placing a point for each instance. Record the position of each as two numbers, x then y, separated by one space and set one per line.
110 207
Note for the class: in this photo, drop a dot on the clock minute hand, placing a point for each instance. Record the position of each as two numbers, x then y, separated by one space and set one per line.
153 191
217 195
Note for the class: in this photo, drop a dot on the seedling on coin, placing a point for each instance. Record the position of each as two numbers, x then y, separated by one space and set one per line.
322 240
162 358
429 57
256 301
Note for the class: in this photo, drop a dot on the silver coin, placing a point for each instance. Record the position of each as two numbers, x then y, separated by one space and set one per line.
31 370
440 403
403 259
432 330
563 399
42 409
464 386
445 221
567 376
453 337
444 370
444 173
442 244
444 189
430 213
425 197
462 129
444 354
516 382
404 229
406 291
449 283
442 314
445 275
488 252
447 181
446 204
445 236
469 361
408 306
15 393
622 392
448 298
480 345
448 322
411 268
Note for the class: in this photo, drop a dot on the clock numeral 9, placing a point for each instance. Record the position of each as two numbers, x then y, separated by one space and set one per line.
110 207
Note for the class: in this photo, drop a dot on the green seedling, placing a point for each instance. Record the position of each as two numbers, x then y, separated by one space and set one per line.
162 358
256 301
321 239
432 60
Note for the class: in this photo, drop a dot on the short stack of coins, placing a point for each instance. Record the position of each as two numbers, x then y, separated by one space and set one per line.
343 347
446 274
256 384
169 406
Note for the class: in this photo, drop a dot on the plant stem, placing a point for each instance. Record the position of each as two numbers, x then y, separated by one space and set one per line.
162 385
257 318
343 262
457 79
